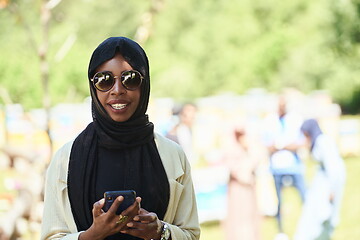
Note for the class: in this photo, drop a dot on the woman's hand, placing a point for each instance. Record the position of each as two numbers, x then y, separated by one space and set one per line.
108 223
146 225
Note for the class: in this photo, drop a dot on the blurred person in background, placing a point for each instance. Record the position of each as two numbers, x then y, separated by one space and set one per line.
242 159
283 139
119 150
182 132
320 213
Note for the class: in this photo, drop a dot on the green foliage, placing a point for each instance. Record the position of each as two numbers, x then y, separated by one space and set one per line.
195 48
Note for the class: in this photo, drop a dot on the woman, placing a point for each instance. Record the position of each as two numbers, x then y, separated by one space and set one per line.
243 217
320 212
119 151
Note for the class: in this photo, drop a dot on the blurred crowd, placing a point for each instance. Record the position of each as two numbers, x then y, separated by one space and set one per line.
242 149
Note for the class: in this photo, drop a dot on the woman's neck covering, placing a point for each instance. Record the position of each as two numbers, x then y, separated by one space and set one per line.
311 128
135 134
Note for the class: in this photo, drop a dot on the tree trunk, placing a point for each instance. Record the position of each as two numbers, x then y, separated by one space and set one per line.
44 65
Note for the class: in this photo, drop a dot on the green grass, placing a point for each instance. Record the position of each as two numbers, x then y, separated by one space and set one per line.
350 211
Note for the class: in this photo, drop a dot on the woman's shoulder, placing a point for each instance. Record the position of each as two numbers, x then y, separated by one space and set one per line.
326 144
166 143
324 140
61 156
65 149
172 156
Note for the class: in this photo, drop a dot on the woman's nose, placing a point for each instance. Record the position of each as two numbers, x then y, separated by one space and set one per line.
118 88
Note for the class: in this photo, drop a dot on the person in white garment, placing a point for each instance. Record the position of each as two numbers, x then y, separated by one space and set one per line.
320 213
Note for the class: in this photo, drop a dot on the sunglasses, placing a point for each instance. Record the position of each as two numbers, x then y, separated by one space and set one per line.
104 81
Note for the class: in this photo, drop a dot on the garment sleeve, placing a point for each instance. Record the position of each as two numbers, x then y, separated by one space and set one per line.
184 223
54 222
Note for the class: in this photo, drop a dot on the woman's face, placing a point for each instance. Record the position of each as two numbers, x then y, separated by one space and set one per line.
118 102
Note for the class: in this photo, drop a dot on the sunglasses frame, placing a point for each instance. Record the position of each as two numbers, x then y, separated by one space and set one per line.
120 78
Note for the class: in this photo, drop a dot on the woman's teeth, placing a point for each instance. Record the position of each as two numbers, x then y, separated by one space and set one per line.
118 106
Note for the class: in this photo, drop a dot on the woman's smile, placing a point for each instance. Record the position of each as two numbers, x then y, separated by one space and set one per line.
118 106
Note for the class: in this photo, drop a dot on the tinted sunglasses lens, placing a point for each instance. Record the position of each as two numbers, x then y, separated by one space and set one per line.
131 80
103 81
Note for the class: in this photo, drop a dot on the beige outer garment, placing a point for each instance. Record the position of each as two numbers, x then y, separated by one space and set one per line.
181 215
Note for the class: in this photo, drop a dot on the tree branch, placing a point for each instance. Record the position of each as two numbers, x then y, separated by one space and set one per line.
144 30
13 9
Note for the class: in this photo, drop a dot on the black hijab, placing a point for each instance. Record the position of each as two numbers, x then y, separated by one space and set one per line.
132 141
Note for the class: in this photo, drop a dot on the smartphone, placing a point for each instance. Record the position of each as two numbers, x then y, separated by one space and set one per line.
110 196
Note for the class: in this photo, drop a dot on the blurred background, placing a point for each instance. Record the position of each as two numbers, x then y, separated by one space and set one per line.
232 59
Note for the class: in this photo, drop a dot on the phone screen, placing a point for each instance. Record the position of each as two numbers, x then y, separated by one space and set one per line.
110 196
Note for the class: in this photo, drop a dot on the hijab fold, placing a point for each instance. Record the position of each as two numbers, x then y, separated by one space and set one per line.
135 135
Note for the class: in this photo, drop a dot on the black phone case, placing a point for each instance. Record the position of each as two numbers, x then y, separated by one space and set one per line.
110 196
